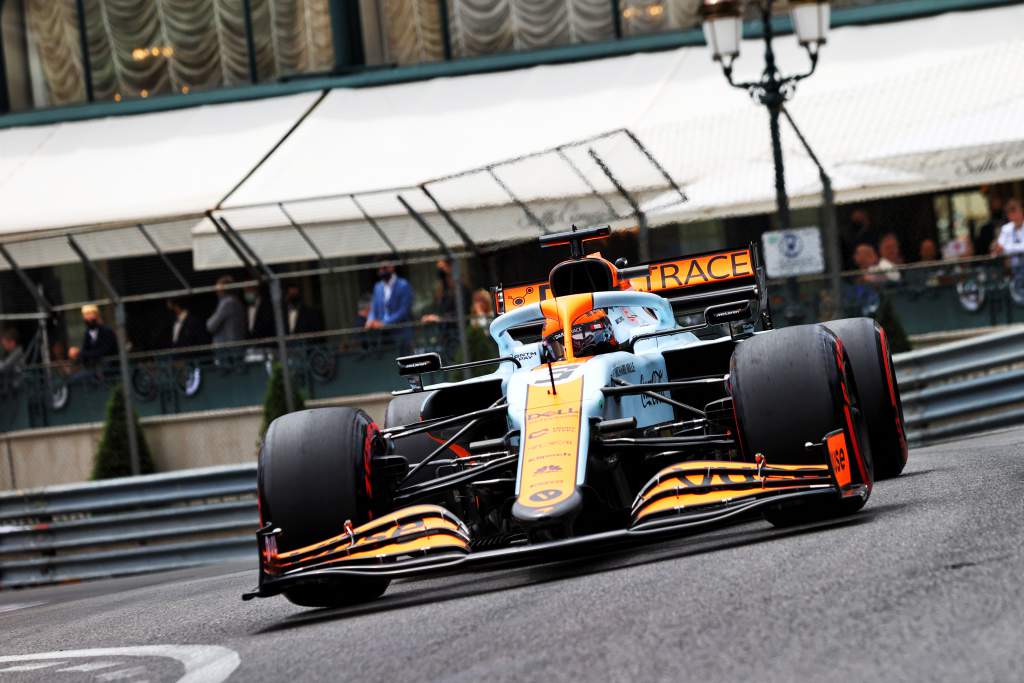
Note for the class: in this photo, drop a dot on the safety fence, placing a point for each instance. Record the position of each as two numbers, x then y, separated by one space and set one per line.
127 526
963 387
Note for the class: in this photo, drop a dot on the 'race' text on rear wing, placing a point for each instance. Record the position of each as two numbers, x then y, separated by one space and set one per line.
700 280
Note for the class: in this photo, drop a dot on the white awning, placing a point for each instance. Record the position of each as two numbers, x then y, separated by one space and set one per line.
882 94
135 168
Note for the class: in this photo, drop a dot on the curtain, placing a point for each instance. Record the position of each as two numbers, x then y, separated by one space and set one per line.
413 31
144 47
53 29
480 27
656 16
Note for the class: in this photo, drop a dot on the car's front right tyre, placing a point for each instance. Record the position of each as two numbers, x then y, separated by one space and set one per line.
313 476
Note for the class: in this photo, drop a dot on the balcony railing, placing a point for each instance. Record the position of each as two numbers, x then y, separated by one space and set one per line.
336 363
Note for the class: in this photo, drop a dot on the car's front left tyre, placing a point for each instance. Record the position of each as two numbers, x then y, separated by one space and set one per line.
791 387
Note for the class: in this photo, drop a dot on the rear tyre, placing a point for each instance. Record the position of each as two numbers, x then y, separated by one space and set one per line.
313 476
790 387
868 348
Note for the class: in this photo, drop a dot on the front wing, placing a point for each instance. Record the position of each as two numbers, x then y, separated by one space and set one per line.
424 539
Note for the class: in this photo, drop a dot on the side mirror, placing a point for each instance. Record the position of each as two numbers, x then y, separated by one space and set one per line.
418 364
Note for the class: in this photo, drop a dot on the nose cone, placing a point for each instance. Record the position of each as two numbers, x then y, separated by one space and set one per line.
533 511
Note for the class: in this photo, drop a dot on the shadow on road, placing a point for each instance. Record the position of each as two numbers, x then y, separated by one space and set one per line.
468 584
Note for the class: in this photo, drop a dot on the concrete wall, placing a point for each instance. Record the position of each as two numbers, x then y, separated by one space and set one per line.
64 455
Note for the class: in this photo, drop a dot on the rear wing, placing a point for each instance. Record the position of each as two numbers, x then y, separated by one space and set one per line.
689 283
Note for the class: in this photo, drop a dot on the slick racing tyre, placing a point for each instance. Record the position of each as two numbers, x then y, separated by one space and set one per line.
790 387
312 477
868 348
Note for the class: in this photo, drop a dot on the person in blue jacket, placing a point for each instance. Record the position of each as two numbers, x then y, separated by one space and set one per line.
391 305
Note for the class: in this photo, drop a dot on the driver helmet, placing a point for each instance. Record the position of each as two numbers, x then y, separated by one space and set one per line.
592 334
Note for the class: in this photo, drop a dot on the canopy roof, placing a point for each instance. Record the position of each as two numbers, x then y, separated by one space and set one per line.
136 168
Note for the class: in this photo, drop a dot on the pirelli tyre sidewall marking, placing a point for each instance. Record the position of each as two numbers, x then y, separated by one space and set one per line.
551 440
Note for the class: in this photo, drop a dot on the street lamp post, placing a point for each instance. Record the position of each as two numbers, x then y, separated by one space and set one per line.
723 29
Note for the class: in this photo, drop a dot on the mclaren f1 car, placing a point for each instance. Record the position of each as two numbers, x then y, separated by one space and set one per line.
605 421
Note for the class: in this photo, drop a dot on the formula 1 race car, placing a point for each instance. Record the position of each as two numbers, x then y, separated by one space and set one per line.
605 422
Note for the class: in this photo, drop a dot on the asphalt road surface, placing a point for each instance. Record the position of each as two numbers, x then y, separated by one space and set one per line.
923 585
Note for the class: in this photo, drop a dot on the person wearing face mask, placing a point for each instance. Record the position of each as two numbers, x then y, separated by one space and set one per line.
98 342
392 304
259 314
299 318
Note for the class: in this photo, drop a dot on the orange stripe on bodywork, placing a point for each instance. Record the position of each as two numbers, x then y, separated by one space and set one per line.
685 500
698 483
381 523
417 530
736 480
418 545
459 451
551 440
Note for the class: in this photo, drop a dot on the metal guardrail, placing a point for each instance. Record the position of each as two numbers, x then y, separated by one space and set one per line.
127 526
964 387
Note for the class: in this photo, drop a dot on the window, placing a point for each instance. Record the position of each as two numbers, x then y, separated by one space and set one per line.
141 48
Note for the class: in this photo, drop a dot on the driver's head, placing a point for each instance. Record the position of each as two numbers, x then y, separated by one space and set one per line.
592 334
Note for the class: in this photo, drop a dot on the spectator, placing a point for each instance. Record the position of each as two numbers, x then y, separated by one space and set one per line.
986 235
958 248
98 342
444 294
1011 235
889 249
362 311
187 329
59 358
392 304
360 339
482 312
301 319
227 324
259 313
392 299
928 250
13 361
876 269
862 229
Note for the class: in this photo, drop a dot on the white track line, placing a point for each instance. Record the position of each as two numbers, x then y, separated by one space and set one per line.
19 605
91 666
32 667
203 663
